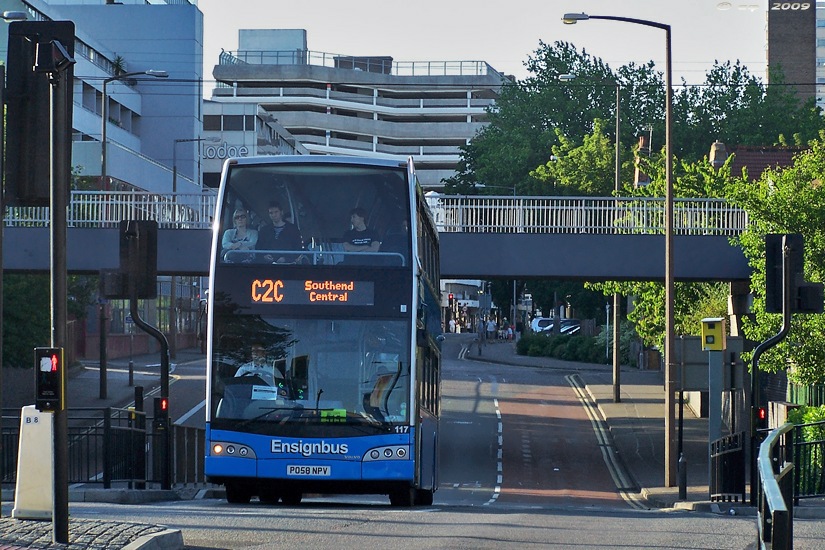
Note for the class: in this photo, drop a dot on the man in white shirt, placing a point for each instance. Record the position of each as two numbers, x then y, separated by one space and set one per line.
258 367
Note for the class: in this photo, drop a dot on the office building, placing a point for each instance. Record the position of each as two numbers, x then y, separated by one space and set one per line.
146 114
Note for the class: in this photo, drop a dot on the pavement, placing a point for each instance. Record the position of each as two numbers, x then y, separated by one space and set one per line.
633 430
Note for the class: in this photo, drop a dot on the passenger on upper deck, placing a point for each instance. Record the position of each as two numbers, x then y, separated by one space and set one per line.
240 237
360 238
280 235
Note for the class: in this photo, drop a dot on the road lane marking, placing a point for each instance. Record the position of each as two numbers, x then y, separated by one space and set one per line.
617 471
499 454
191 412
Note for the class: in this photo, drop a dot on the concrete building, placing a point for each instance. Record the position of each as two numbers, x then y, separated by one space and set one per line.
153 126
241 130
146 114
793 45
353 105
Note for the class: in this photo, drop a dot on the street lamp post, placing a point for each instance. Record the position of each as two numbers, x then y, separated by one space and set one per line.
513 189
670 385
104 111
173 291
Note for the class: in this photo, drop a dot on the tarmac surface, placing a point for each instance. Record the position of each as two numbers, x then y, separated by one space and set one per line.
633 428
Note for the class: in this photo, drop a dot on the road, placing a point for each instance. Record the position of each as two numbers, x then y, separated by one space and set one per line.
520 466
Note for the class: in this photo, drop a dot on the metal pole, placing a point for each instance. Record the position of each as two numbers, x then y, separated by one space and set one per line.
104 116
617 299
103 355
513 321
61 158
2 226
670 402
173 318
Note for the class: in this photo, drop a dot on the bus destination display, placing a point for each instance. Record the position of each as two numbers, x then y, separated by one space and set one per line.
312 292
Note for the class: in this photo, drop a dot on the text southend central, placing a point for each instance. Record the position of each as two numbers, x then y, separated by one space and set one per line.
331 291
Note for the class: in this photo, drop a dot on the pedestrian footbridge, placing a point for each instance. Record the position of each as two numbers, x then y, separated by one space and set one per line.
586 238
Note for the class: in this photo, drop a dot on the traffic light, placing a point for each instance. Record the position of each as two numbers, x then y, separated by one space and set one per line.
139 259
49 379
450 299
28 119
761 418
805 297
161 408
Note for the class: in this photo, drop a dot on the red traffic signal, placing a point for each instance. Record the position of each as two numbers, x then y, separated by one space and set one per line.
761 418
161 408
49 379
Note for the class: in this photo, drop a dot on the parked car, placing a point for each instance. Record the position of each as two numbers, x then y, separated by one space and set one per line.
539 324
546 325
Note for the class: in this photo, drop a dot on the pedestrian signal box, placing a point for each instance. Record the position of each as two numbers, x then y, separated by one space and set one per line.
49 379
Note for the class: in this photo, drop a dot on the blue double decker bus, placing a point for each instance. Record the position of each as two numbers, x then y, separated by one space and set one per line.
324 332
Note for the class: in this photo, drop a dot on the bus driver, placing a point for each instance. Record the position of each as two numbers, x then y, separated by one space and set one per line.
258 367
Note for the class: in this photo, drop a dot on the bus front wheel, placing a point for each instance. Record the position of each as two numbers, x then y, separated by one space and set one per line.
237 494
292 498
403 497
423 497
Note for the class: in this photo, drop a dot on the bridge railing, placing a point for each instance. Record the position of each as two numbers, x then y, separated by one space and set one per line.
595 215
108 208
453 213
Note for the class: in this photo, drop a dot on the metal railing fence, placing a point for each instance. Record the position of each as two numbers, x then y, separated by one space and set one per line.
809 460
776 488
591 215
452 213
99 209
111 445
727 480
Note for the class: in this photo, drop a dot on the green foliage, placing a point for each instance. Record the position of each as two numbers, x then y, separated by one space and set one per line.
27 312
790 200
563 346
26 318
627 335
579 170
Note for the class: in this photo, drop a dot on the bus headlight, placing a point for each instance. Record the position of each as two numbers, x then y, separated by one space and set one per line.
390 452
222 448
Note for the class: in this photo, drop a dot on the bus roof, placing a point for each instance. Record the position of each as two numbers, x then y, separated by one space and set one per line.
319 159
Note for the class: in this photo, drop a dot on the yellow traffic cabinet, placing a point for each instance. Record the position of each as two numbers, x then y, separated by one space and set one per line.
713 334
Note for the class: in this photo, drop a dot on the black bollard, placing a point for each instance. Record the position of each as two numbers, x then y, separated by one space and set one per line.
682 474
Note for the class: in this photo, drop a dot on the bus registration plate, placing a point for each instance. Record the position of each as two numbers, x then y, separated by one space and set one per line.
295 470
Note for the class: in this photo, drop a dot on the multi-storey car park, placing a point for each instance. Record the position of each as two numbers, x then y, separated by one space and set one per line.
368 106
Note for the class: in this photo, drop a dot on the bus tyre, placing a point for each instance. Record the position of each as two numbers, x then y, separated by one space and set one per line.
423 497
403 498
269 497
292 498
237 494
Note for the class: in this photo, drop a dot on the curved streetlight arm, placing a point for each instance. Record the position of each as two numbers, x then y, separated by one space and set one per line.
573 18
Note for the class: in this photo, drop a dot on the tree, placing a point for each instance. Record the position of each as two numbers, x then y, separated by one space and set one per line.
789 200
578 170
531 114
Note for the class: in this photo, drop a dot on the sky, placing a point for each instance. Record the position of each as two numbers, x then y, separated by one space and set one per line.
506 34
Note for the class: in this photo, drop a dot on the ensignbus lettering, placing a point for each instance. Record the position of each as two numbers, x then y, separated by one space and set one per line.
308 449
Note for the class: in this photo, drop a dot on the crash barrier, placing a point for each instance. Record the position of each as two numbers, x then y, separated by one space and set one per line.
727 455
110 445
776 488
